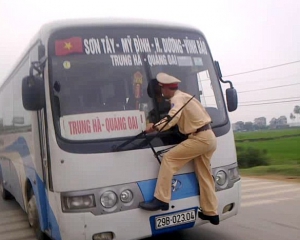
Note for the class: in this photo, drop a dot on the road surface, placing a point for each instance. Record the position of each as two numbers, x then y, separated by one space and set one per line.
270 210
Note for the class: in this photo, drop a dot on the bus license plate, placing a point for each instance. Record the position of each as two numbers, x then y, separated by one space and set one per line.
175 219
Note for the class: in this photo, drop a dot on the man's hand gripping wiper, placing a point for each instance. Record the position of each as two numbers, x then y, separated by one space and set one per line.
151 128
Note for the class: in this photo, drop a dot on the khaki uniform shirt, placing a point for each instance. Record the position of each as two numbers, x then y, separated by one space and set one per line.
190 118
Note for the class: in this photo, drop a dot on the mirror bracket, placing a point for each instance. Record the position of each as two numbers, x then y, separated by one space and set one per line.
38 66
220 74
231 94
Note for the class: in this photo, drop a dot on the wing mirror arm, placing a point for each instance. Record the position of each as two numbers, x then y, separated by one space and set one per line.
231 93
38 66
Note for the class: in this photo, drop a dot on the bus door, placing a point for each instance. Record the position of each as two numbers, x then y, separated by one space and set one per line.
44 163
43 146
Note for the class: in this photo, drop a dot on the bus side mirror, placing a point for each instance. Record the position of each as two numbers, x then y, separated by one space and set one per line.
33 93
232 99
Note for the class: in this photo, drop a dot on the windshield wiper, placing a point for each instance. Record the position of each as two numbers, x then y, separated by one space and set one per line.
149 139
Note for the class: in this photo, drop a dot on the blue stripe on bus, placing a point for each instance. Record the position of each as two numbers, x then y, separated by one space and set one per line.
187 184
188 188
20 146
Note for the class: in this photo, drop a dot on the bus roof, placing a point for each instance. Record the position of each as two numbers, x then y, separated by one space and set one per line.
55 25
48 28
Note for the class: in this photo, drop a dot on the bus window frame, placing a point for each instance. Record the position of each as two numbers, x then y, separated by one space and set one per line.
71 145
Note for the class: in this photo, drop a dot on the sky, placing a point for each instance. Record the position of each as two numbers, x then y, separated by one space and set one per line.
244 36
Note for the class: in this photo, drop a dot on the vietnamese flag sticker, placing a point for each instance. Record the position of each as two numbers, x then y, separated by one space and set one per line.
68 46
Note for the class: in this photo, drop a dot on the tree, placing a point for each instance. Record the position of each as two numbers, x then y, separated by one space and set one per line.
240 125
292 116
297 110
260 123
273 123
248 126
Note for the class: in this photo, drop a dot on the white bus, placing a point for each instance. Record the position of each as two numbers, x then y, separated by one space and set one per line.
69 113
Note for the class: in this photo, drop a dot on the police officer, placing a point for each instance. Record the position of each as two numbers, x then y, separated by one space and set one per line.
154 91
194 121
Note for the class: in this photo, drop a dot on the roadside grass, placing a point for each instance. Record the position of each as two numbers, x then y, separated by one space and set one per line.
282 148
284 170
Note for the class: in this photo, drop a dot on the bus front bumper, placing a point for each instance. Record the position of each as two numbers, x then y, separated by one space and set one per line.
137 223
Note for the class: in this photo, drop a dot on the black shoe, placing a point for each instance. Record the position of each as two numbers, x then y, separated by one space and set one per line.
213 219
154 205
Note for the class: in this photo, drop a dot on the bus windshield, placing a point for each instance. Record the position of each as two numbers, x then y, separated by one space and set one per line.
100 77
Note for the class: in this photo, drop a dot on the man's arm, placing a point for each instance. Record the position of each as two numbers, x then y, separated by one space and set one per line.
176 105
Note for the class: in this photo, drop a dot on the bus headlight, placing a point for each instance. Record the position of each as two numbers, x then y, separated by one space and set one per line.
126 196
221 178
79 202
233 173
108 199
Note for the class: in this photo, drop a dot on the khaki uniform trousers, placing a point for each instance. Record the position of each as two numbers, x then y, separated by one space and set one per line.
200 147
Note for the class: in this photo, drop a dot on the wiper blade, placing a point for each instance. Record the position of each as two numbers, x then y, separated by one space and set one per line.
143 133
118 148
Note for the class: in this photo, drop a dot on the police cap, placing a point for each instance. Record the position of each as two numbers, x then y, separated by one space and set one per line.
165 79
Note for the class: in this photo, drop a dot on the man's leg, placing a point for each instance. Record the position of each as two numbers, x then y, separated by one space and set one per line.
172 161
208 199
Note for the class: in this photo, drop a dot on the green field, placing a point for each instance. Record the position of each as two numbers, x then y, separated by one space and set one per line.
283 150
266 134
